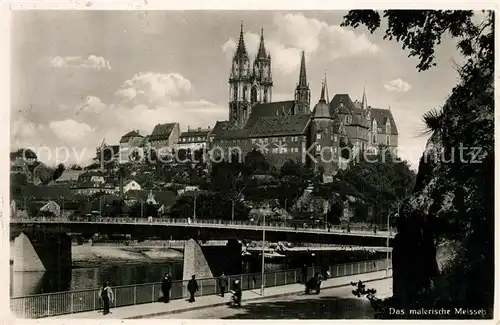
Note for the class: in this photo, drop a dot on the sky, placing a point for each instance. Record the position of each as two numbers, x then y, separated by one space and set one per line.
80 76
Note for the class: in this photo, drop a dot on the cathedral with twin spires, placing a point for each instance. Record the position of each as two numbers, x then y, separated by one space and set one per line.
290 130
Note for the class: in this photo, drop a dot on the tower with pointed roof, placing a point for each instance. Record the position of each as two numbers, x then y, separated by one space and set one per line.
261 91
364 102
239 83
248 86
326 133
302 91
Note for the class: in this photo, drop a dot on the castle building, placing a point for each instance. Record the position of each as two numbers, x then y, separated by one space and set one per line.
289 130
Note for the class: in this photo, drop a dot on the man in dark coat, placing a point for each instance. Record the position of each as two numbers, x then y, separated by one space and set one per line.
166 286
192 288
222 284
304 273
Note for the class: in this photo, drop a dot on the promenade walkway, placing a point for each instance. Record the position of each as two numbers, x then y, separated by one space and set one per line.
181 305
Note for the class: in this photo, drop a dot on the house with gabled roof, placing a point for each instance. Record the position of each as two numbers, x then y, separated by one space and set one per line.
131 147
164 137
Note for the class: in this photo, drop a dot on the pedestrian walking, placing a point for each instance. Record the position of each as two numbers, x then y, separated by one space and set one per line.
107 297
236 293
304 273
318 279
166 286
222 284
192 288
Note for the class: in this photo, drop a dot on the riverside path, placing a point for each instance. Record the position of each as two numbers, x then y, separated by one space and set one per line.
136 301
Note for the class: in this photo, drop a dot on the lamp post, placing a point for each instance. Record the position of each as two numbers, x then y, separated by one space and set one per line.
194 207
263 262
387 257
286 213
325 205
232 210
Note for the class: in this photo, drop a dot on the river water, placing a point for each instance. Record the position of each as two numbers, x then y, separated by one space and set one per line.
30 283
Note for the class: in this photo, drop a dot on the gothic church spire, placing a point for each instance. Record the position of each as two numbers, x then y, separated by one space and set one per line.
302 91
364 103
303 74
322 98
262 49
241 50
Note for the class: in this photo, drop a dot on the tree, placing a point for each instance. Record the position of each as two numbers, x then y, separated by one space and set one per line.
24 153
17 184
465 121
208 206
44 173
294 179
75 167
58 172
420 31
92 166
151 157
256 162
143 210
379 180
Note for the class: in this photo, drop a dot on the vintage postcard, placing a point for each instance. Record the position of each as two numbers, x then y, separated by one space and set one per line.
251 164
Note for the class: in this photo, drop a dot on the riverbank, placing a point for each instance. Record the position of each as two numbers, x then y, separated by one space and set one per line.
90 256
84 256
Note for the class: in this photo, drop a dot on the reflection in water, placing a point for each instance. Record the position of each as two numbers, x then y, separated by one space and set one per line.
30 283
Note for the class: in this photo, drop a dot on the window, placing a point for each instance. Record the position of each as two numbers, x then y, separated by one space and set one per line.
274 140
318 136
374 140
274 150
348 119
254 94
318 148
284 139
253 140
266 140
388 140
245 90
284 150
335 150
235 93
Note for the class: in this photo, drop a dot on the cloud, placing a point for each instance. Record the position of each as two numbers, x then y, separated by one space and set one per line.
153 87
398 85
293 33
141 102
79 62
70 130
90 105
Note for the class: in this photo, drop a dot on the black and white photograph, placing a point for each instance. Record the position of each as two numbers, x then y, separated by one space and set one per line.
251 164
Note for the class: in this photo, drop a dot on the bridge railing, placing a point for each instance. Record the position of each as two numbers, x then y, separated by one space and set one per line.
60 303
191 221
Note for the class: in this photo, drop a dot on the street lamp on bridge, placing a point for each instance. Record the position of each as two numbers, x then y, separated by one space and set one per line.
194 206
